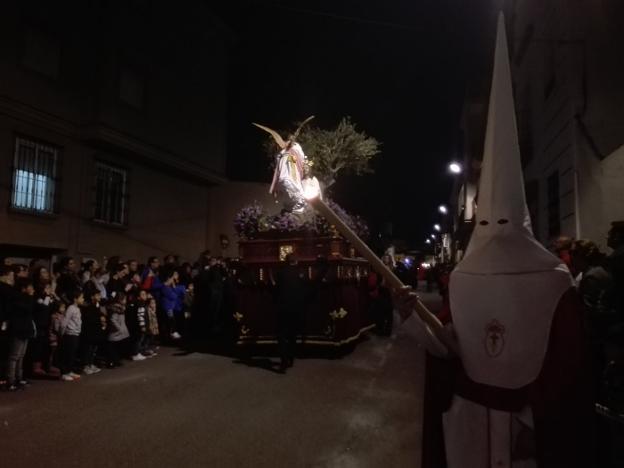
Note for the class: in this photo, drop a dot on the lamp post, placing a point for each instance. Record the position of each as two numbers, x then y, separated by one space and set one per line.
455 168
450 224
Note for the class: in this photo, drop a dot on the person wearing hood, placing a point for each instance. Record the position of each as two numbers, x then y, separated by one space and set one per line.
521 391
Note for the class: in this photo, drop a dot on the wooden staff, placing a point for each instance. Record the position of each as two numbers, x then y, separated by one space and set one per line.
392 280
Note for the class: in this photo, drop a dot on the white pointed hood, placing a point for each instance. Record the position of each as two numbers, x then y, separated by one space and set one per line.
502 217
505 291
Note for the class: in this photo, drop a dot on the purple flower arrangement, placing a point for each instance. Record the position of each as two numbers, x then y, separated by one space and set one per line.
252 219
247 221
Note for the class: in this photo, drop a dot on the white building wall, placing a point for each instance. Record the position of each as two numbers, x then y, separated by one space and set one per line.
573 127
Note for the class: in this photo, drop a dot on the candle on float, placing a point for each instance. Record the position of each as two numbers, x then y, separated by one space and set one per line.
392 280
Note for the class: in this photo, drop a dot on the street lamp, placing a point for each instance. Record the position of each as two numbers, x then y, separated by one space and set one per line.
433 236
443 209
437 227
455 168
428 241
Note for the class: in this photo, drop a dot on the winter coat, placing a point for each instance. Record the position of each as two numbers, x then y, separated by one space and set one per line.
117 329
189 300
172 298
7 297
136 317
152 284
115 286
56 325
21 323
72 321
67 283
42 313
152 321
93 328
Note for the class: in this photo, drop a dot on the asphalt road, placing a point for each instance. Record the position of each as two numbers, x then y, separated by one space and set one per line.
207 410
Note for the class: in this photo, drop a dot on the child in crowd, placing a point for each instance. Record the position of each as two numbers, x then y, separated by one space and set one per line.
93 330
152 326
71 328
171 301
57 311
40 346
117 330
99 281
21 329
189 299
136 322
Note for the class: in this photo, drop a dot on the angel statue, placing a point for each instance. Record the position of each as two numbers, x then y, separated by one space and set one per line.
291 178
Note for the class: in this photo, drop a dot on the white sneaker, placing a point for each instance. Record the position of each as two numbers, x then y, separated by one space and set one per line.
90 370
176 336
138 357
67 378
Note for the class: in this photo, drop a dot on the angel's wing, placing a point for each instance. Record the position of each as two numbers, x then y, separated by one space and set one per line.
276 136
296 134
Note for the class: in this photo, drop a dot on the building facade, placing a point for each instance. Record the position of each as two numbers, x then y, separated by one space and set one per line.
112 128
567 71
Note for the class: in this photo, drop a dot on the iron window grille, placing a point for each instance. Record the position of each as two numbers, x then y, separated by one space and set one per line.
34 177
111 194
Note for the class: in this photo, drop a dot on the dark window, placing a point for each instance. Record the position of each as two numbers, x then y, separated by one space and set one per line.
527 38
550 70
132 87
554 219
34 176
532 201
42 53
110 194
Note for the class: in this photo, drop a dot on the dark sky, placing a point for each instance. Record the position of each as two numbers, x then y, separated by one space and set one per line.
398 68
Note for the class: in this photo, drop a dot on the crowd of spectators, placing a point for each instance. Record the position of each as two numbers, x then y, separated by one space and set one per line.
599 280
76 319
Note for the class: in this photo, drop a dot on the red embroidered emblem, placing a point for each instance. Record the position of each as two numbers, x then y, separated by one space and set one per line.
494 338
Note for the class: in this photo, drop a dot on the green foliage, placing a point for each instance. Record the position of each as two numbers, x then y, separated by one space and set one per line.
341 150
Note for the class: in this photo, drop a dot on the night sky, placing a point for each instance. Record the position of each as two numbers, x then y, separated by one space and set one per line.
399 69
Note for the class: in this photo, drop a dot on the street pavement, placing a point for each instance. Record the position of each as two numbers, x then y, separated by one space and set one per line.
199 409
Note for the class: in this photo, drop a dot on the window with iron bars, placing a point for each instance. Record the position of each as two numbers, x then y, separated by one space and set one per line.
111 194
34 177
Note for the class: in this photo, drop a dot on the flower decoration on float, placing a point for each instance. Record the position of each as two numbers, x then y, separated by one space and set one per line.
252 220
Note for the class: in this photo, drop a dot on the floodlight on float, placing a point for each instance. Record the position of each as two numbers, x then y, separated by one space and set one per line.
443 209
437 227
